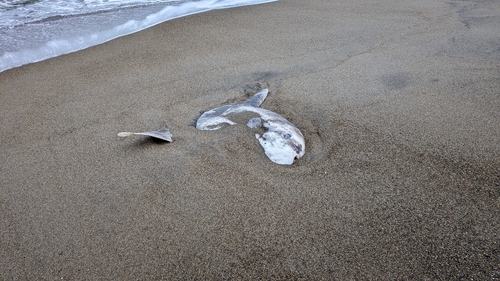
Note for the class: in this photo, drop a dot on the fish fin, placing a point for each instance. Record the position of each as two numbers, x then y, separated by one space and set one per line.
211 123
160 134
125 134
257 99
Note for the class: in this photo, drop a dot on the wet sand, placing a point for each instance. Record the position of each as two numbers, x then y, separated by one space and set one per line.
398 102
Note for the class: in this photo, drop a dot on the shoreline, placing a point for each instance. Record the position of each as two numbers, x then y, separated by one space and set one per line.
89 37
397 103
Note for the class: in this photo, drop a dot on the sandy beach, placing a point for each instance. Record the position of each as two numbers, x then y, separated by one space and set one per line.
398 102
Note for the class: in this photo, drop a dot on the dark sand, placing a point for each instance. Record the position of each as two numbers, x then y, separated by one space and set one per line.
399 104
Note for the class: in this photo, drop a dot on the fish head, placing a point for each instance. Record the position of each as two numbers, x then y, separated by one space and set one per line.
282 144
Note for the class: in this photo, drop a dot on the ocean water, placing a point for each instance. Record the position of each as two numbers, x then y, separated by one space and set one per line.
35 30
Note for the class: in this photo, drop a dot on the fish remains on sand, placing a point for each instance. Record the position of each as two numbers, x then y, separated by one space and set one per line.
282 141
160 134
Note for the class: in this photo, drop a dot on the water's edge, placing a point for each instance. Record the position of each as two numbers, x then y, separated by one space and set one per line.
54 48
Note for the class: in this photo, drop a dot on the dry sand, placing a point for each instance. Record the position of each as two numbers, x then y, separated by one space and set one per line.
399 104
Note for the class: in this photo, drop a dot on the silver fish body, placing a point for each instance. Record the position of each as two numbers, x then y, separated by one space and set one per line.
282 141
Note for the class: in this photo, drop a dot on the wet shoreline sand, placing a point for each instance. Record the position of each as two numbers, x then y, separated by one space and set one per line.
398 103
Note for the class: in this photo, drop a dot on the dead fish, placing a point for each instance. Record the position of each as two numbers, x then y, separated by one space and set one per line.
163 134
282 141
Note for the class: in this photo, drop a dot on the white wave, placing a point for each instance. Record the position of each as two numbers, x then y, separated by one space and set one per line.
56 48
18 12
